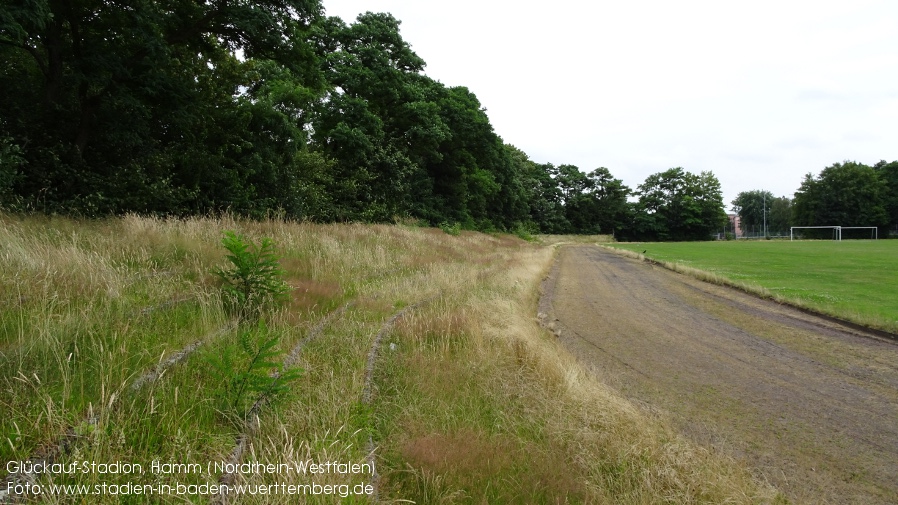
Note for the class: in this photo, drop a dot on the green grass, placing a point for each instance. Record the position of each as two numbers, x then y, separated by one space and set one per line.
855 280
473 401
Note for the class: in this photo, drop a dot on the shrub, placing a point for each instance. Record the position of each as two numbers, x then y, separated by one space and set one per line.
451 229
249 367
526 231
10 162
256 280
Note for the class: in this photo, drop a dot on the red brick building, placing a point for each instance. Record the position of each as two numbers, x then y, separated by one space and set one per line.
735 226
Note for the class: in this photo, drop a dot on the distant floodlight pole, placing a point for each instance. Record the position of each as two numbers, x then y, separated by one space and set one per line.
765 213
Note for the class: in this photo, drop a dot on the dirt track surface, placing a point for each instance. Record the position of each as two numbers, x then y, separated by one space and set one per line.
810 405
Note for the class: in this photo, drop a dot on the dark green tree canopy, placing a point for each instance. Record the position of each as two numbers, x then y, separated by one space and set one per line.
595 202
844 194
180 107
753 208
145 106
404 144
888 173
679 205
779 218
541 195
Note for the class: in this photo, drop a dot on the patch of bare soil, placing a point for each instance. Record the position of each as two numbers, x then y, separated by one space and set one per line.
811 405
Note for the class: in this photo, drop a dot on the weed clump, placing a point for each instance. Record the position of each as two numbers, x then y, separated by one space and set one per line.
453 229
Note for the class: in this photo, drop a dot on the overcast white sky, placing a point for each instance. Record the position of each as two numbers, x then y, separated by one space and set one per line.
759 92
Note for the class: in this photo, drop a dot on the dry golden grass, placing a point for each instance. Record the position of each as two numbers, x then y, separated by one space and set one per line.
573 239
474 401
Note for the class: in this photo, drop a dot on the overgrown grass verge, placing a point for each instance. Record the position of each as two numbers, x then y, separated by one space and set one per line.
849 280
573 239
479 405
471 401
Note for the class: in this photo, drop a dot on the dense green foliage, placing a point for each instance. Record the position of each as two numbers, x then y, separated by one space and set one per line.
10 161
843 194
146 107
853 280
847 194
888 173
752 207
779 215
758 208
678 205
180 108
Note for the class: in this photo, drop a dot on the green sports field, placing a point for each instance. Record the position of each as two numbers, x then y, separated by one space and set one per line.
852 279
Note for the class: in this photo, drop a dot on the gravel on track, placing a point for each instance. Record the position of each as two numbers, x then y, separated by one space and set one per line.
809 404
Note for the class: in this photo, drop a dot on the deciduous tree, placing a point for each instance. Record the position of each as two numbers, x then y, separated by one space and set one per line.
753 208
888 173
679 205
844 194
151 106
779 219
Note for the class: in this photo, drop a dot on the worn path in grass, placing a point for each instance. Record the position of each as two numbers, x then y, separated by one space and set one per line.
810 404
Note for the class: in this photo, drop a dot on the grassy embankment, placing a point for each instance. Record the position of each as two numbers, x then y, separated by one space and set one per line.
473 402
853 279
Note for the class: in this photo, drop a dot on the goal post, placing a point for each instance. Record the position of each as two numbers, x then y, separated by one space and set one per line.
874 234
837 230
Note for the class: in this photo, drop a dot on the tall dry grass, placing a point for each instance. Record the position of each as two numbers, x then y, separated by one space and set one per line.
491 408
472 400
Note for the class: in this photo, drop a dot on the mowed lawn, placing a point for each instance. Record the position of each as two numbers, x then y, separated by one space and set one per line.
853 279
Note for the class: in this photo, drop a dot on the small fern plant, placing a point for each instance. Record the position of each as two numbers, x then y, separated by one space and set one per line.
249 369
255 280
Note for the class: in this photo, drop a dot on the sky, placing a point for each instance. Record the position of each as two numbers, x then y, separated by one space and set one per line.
760 93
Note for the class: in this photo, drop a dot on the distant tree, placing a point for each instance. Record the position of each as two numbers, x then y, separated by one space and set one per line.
845 194
888 173
807 201
563 199
540 196
543 196
574 186
475 169
679 205
753 207
779 217
404 144
374 110
611 211
571 181
601 206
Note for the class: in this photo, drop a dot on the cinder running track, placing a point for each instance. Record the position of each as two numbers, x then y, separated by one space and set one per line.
809 404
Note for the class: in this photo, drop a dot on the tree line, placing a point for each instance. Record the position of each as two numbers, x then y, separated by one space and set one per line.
177 108
842 194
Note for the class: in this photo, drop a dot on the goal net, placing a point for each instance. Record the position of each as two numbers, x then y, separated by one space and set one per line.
836 231
872 232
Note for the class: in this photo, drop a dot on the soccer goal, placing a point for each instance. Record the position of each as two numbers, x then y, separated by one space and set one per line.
837 230
874 231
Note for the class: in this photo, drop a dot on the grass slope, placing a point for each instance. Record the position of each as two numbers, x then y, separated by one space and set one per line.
472 401
854 280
